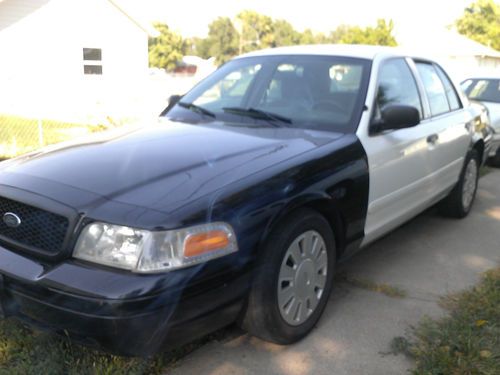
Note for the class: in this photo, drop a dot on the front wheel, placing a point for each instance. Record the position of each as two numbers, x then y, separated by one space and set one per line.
459 202
293 280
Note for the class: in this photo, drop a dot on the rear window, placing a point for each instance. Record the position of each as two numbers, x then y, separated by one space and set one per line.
487 90
436 92
451 94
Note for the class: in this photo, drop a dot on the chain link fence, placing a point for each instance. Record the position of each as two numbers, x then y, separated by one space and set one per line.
20 135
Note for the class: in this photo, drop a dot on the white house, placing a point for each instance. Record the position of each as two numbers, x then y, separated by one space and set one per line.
78 60
461 56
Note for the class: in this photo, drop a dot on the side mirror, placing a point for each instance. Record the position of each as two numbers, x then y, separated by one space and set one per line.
397 116
172 101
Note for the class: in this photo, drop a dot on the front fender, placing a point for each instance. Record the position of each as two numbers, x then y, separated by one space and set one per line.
340 193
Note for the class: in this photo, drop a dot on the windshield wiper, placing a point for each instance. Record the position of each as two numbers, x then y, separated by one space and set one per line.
197 109
258 113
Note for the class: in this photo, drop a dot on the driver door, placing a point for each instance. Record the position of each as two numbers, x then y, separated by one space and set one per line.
400 173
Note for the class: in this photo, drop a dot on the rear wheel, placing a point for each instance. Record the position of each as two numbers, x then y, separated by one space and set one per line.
495 160
459 202
294 279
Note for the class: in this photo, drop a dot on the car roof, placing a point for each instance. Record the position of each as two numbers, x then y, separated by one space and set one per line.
345 50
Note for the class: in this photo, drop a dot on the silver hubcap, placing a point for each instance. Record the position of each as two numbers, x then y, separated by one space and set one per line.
302 277
470 182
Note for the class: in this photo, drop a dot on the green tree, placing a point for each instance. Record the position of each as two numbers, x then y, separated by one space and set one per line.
251 31
166 50
347 34
284 34
381 34
256 29
321 38
222 41
198 47
307 37
481 22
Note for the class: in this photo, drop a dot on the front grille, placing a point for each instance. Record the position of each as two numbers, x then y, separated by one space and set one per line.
39 229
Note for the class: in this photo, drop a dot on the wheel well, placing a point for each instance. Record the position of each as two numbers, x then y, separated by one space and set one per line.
327 207
332 214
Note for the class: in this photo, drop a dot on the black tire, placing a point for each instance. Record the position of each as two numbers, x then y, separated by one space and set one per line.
262 317
453 204
495 160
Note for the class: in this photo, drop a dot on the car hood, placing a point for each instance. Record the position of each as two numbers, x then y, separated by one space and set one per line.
157 166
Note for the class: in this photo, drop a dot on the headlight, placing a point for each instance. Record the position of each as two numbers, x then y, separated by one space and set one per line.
144 251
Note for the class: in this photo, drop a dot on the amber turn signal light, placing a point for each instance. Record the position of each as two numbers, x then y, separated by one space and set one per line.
202 243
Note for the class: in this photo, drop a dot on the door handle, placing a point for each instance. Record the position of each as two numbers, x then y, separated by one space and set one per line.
432 139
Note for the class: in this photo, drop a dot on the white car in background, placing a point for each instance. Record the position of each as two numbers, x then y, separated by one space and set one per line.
487 92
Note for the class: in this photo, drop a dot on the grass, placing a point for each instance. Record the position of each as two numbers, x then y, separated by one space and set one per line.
25 351
388 290
19 135
466 341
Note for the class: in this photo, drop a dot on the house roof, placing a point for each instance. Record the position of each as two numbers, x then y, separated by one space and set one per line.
10 14
443 42
13 14
146 27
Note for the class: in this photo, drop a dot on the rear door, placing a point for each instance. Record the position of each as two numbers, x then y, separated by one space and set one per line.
448 127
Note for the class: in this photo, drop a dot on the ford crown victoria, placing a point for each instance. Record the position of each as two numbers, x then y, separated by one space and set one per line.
238 204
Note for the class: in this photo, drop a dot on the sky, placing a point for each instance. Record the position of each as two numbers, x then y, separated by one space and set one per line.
192 17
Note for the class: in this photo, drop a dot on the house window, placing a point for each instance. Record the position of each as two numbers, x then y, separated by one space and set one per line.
92 69
92 61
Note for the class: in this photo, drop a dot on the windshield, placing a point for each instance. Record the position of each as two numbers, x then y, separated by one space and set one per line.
484 90
312 92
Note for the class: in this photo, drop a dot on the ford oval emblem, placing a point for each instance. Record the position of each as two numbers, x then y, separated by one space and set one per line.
11 220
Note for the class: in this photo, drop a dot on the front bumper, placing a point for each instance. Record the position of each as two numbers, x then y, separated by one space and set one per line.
117 311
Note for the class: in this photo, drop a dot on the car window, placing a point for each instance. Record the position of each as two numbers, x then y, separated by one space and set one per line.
397 86
313 92
327 88
231 89
282 84
344 78
487 90
434 88
451 94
